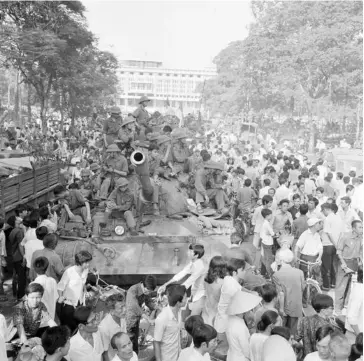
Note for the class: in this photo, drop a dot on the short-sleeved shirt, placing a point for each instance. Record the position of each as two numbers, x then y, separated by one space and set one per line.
31 320
267 233
347 218
309 243
350 245
75 199
55 268
245 198
108 328
112 126
81 350
333 226
167 332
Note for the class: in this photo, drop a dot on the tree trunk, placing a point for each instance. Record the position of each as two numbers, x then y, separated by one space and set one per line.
62 113
17 100
73 116
29 105
43 116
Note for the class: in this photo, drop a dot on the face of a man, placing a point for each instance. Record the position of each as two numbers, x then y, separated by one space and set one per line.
34 299
125 347
359 228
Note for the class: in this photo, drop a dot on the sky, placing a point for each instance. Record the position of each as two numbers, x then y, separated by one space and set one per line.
181 34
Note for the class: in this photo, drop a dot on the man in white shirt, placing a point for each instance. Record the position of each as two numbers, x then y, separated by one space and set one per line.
330 236
282 191
204 342
86 344
167 340
49 284
347 214
309 246
114 321
32 245
196 268
123 347
265 189
266 234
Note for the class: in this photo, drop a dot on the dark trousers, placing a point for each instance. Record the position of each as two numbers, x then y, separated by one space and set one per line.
268 258
328 266
134 336
291 323
66 316
20 279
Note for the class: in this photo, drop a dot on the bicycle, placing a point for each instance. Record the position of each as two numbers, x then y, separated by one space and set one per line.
312 286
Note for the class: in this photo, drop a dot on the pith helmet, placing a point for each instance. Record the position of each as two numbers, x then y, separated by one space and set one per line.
94 167
85 173
112 148
128 120
144 99
163 139
214 165
179 133
115 110
153 136
121 182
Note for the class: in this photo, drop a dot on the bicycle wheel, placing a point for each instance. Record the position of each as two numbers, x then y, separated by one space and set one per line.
311 290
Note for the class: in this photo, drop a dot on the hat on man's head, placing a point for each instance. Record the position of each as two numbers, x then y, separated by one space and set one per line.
144 99
312 221
153 136
94 167
112 148
115 110
214 165
179 133
243 302
128 120
163 139
120 182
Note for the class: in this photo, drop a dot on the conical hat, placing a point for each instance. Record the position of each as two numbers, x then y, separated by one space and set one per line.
243 302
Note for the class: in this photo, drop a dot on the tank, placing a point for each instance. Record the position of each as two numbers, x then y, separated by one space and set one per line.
162 246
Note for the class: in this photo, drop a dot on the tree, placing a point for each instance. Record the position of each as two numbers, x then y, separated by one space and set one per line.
38 38
310 52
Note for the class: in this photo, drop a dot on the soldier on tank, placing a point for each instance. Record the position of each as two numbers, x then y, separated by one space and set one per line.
126 133
142 117
121 203
96 176
165 152
114 167
86 186
112 126
180 150
208 186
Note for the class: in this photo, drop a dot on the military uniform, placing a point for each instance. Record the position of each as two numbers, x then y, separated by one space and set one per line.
126 135
112 126
180 151
206 185
119 163
121 199
142 116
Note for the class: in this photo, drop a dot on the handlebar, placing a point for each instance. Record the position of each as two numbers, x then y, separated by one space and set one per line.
308 263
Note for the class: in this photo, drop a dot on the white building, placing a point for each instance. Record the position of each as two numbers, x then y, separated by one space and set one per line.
150 78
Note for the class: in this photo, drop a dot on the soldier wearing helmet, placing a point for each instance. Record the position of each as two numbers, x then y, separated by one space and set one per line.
180 151
142 117
86 185
127 132
121 200
114 167
112 126
208 186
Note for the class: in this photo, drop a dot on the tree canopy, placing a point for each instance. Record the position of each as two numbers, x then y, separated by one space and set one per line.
298 54
50 44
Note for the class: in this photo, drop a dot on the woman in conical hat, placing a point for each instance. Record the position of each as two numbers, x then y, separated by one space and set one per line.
237 332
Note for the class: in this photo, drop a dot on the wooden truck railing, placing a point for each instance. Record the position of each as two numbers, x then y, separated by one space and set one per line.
29 186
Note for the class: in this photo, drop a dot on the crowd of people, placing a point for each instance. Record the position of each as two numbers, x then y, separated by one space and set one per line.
303 218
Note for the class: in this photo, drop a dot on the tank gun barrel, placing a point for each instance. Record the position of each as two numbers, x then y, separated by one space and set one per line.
139 160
